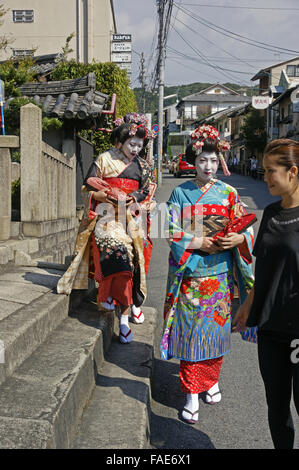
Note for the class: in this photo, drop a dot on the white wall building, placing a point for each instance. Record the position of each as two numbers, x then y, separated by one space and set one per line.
209 101
42 26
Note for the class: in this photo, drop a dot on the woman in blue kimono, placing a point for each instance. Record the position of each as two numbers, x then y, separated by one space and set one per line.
202 271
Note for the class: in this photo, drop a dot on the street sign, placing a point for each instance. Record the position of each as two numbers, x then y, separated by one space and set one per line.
125 66
260 102
122 37
121 47
121 57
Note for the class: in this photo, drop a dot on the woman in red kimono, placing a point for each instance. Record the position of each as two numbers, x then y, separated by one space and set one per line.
117 238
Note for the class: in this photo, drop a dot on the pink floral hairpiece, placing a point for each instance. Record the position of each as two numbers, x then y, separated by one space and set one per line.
199 136
118 122
134 128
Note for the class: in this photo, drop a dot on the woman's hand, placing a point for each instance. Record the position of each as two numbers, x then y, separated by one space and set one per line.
205 244
230 241
101 196
239 322
240 319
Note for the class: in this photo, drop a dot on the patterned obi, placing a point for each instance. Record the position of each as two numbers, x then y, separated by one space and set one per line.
126 185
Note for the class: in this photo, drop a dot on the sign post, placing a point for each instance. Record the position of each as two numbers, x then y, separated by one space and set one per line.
1 106
121 52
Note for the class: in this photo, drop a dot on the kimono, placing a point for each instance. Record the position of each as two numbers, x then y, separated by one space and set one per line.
200 288
110 245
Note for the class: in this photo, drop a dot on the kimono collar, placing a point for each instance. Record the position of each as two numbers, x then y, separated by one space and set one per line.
205 187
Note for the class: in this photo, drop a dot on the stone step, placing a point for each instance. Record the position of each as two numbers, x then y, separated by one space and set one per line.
118 413
42 402
29 311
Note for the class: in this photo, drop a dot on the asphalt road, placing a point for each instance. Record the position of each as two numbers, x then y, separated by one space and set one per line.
240 420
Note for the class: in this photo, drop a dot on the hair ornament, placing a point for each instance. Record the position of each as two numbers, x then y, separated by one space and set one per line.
201 133
118 122
224 165
134 128
137 120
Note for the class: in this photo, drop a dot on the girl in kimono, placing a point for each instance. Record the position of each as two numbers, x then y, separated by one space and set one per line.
202 270
109 245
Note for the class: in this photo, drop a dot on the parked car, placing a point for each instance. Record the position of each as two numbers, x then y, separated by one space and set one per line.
182 167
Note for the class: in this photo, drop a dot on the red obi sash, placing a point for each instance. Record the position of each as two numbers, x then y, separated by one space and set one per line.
123 183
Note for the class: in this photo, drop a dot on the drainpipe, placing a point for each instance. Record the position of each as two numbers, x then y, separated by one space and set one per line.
78 19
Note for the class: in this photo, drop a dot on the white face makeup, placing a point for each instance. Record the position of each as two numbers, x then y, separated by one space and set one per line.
207 165
131 147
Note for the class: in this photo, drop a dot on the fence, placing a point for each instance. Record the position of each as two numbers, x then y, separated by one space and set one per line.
48 183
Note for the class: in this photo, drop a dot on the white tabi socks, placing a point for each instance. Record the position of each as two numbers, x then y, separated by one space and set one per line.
137 315
213 395
190 412
125 333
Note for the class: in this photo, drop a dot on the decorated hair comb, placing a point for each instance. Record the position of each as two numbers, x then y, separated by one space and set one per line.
137 120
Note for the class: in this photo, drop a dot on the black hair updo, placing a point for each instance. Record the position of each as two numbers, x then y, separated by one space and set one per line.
210 146
122 133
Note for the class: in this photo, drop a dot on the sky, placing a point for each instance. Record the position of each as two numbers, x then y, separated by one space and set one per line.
198 53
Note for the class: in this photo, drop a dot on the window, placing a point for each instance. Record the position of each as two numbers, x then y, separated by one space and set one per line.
293 70
23 16
22 52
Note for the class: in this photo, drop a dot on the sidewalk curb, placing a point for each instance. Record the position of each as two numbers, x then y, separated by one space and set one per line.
118 413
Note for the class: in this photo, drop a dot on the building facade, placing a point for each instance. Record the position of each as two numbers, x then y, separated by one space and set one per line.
209 101
40 27
270 77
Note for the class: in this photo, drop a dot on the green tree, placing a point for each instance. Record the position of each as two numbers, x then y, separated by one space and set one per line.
109 79
16 73
254 131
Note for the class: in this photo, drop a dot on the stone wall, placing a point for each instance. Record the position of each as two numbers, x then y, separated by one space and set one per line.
48 219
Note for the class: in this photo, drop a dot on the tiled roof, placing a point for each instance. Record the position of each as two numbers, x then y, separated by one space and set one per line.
68 99
218 98
45 64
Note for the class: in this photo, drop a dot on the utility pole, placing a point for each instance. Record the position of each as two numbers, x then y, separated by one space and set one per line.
142 81
161 63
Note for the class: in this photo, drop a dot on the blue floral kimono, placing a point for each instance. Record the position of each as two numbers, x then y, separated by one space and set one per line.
200 286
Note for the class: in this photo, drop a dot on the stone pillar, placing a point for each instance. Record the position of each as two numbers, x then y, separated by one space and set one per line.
5 199
32 200
69 150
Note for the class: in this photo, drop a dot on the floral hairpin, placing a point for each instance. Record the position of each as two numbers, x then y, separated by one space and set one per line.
224 145
118 122
134 128
137 120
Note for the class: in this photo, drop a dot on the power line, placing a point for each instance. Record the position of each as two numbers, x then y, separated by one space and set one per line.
206 61
218 47
196 60
239 7
231 34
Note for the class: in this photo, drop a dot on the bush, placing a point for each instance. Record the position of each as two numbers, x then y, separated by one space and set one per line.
12 117
109 79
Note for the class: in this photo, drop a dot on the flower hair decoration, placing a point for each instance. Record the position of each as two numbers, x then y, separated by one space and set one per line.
204 132
137 120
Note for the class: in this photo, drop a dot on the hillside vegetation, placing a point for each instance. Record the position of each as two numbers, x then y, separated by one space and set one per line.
151 99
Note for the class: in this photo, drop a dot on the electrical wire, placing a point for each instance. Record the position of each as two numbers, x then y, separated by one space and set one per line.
207 62
241 7
231 34
214 44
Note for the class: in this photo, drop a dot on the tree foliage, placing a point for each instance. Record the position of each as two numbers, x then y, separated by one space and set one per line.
109 79
14 74
151 99
254 131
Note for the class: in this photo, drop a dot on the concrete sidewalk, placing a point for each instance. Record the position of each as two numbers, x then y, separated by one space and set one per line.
62 359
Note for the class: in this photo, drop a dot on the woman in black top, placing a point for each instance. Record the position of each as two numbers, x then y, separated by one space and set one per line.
273 303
